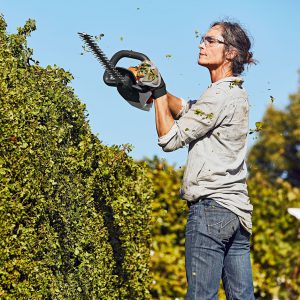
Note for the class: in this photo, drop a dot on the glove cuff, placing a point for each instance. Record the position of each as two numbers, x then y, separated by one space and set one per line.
159 92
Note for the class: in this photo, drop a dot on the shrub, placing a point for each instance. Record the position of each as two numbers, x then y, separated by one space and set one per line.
74 213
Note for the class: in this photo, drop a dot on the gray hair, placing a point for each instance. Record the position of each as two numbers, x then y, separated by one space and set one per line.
235 36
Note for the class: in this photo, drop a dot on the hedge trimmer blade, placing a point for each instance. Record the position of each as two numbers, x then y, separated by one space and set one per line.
102 58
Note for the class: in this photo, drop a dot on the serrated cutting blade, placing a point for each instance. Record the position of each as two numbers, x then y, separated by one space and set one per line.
101 57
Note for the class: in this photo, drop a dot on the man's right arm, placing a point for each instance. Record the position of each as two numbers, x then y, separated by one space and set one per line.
168 108
175 104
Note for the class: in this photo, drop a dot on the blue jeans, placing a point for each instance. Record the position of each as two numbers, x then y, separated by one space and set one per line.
217 247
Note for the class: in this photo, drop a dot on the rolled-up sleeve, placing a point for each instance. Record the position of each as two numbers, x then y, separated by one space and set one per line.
172 140
185 107
197 120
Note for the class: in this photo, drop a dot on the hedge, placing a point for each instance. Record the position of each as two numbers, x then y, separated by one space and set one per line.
74 213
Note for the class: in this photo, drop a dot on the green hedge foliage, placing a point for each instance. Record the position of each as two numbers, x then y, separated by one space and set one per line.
74 214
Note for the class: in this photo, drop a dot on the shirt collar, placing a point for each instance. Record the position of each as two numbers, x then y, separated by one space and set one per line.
238 79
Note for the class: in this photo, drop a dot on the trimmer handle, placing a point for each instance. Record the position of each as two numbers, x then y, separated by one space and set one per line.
114 60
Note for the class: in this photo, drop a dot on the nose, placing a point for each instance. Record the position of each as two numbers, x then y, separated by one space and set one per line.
201 45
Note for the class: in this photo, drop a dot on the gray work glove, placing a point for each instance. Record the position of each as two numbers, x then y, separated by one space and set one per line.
148 75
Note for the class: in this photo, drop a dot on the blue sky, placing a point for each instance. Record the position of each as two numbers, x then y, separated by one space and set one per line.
158 28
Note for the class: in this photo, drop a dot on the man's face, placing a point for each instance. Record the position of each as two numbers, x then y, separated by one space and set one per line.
212 49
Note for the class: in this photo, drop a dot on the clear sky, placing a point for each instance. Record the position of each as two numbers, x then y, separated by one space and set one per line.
159 28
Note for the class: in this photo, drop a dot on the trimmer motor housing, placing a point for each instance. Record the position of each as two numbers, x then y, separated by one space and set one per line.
129 88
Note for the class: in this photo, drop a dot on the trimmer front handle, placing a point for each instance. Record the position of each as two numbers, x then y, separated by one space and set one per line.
109 80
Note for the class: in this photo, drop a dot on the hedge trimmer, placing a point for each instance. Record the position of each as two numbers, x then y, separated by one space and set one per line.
134 84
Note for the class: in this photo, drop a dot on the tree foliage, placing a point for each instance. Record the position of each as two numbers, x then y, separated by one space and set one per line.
277 152
275 239
168 222
74 214
274 184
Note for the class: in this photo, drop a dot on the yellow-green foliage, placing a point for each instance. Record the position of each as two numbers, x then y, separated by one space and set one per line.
277 151
168 223
274 186
275 240
74 214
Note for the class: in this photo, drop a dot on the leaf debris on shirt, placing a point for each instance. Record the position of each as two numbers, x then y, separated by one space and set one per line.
236 82
201 113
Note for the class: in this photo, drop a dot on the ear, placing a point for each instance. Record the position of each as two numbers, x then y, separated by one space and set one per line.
231 54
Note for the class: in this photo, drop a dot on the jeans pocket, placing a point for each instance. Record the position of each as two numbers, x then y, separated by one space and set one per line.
221 222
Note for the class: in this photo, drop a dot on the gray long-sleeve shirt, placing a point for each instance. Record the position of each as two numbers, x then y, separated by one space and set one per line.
215 127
